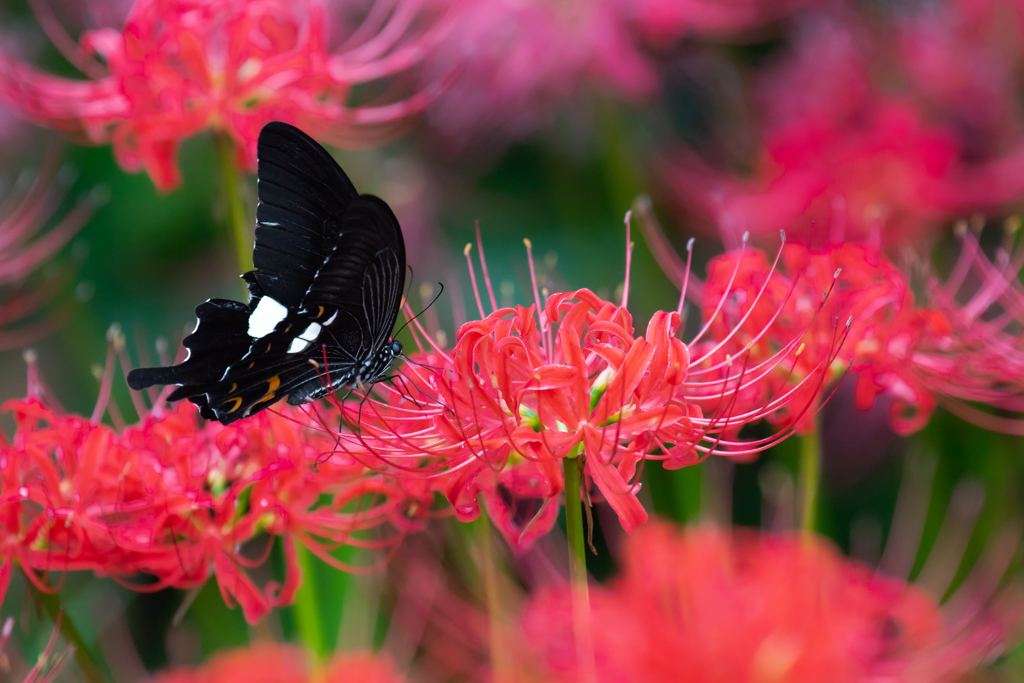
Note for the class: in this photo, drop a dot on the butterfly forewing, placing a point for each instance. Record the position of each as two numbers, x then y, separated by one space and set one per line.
324 294
303 196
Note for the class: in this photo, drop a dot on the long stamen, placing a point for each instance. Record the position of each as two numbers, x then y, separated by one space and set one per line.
629 259
483 268
472 279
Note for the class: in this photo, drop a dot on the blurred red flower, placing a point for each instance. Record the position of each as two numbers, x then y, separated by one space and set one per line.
516 61
854 144
710 605
26 245
179 67
274 663
881 178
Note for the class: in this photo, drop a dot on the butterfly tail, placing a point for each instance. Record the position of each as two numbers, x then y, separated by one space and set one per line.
220 339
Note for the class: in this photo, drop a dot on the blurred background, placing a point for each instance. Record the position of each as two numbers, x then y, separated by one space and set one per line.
887 122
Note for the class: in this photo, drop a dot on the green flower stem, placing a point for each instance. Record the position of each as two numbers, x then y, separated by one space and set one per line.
87 666
500 664
578 570
307 606
240 231
810 479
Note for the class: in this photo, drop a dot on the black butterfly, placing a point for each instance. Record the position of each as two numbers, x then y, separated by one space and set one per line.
323 297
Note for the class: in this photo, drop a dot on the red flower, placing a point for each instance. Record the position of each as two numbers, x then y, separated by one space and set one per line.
844 156
707 605
881 178
272 663
523 390
179 67
916 355
176 498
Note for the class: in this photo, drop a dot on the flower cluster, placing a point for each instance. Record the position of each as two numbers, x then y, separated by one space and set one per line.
859 142
708 605
915 355
177 498
527 388
179 67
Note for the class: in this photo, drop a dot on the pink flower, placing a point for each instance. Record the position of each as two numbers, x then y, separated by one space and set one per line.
516 62
710 605
180 67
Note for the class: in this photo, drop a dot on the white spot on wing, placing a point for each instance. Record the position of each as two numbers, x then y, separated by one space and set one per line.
265 318
308 336
331 319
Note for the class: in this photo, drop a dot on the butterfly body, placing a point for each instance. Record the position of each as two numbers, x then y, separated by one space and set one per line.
323 296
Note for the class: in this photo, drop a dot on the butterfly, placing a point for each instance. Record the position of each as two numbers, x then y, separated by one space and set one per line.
323 296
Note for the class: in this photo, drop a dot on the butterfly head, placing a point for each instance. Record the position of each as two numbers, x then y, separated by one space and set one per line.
377 365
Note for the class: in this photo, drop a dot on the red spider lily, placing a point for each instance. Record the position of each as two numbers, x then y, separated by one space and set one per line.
526 387
982 361
273 663
842 156
881 178
707 605
525 59
916 355
25 246
176 498
179 67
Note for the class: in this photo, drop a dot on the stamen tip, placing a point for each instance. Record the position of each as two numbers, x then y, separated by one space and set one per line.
746 236
689 243
782 234
468 248
629 216
115 336
528 243
836 276
960 228
30 356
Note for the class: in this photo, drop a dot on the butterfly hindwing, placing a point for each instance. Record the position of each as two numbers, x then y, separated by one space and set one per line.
364 277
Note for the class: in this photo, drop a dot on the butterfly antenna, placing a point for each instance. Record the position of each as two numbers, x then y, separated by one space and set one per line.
422 365
425 308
